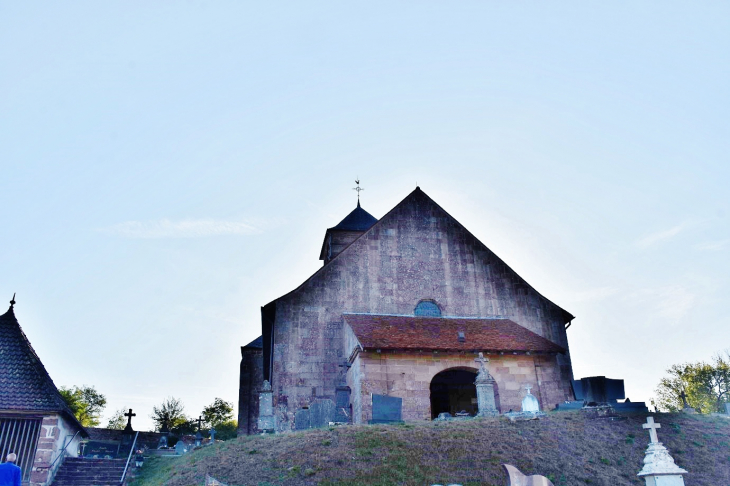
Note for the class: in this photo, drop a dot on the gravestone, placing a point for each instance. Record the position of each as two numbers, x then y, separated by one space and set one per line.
530 403
321 413
267 419
485 389
629 406
598 390
301 419
659 467
516 478
727 408
95 449
162 444
212 435
386 410
342 404
181 448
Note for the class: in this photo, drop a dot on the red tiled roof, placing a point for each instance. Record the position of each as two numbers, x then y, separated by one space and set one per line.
442 333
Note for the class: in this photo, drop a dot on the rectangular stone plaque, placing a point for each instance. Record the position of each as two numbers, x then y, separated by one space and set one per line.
301 419
101 449
321 413
386 409
267 423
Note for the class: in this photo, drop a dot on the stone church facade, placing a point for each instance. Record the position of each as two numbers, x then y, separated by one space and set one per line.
401 307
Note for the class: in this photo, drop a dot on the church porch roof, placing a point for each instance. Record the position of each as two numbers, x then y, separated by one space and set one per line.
375 331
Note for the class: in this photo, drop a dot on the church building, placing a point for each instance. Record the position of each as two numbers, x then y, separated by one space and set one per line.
402 307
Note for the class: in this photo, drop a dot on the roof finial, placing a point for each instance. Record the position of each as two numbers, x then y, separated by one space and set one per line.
12 301
358 189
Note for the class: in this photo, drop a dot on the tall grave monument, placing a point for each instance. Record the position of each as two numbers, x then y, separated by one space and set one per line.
659 467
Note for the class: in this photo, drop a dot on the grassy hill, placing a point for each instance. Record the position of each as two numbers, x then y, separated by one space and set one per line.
567 447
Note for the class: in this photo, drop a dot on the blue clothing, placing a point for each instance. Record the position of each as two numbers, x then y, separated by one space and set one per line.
9 474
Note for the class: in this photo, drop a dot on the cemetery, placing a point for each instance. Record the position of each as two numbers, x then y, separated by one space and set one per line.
566 448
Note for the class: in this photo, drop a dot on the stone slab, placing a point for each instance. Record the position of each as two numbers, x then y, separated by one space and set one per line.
386 409
301 419
321 413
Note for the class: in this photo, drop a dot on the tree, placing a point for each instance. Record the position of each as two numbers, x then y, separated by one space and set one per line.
86 403
219 412
219 415
117 421
171 412
702 386
714 381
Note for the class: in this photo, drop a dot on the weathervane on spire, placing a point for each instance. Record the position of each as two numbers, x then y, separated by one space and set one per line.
358 189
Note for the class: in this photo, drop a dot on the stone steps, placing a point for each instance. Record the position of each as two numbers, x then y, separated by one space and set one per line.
90 472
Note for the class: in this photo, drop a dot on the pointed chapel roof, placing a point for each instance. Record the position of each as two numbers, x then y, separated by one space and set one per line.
357 220
24 382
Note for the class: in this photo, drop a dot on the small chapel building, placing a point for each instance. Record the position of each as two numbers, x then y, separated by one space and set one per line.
35 422
402 307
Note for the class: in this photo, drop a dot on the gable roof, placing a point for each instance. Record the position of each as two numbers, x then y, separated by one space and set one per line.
24 382
376 331
417 192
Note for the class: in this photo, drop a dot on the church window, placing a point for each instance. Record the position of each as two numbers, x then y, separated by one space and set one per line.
427 308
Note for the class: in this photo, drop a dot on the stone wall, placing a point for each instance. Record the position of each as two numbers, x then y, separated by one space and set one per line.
251 379
415 252
55 432
408 375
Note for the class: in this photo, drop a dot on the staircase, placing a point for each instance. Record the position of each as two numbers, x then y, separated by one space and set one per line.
90 472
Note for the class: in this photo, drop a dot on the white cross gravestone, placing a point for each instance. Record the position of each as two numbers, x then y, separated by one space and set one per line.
530 403
659 467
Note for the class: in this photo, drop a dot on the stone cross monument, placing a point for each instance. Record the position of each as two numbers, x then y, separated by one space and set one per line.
267 419
485 389
659 468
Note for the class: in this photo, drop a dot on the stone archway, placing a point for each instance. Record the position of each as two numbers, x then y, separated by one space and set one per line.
453 390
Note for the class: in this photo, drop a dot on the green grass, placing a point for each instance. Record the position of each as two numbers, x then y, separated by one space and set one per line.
566 447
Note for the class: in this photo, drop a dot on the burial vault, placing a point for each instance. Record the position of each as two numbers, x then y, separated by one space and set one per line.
401 308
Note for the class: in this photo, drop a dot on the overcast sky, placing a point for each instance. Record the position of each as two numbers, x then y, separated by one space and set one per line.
167 168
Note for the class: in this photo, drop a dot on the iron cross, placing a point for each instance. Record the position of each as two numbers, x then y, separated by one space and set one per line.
358 189
200 421
652 429
129 416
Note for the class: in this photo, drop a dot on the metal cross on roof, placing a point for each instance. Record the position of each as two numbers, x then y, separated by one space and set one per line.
652 429
12 301
358 189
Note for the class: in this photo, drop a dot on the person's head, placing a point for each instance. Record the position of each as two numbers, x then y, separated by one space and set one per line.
11 457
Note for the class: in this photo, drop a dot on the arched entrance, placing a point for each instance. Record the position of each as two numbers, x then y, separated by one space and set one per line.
453 391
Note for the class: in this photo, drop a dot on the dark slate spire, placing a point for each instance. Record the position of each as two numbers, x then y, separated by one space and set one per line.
357 220
24 382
